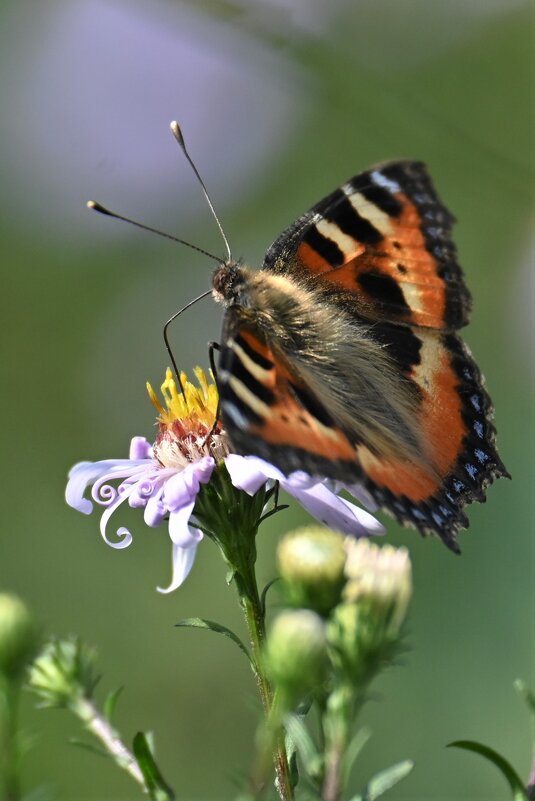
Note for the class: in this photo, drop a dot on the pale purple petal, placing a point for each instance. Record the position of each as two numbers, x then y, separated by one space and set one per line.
181 488
334 511
248 473
124 536
85 473
140 448
183 559
361 494
180 531
155 509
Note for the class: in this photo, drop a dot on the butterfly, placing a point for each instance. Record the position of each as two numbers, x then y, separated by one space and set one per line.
341 356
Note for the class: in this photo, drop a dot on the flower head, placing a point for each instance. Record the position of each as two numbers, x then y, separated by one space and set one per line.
166 479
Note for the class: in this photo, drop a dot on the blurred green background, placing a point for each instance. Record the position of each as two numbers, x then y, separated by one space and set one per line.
279 102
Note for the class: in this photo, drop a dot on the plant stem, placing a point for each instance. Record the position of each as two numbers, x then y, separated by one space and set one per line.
254 617
9 761
336 725
99 726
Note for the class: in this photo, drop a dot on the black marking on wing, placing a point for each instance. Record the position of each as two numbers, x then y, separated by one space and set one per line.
436 225
254 355
347 218
375 194
324 246
383 290
312 405
402 345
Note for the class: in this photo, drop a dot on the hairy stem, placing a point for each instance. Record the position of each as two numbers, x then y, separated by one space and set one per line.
99 726
254 617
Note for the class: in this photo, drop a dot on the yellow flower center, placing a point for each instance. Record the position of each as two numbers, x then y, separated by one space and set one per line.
186 421
198 404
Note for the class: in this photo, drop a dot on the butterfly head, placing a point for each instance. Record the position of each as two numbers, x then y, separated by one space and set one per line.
228 283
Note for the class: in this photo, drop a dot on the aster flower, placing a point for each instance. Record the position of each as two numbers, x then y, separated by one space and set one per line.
189 477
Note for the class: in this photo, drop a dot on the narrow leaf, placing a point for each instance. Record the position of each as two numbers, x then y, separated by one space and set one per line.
303 742
265 592
94 749
209 625
386 779
110 703
354 748
506 769
157 787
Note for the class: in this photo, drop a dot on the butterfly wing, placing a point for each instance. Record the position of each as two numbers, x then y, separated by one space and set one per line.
269 410
368 382
386 237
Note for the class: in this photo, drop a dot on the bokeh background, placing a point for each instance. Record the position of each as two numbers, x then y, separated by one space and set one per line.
280 101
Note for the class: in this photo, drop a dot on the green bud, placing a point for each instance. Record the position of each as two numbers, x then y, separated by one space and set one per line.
311 563
364 630
19 636
297 653
64 673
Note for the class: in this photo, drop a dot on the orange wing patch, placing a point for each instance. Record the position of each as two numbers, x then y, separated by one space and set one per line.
259 389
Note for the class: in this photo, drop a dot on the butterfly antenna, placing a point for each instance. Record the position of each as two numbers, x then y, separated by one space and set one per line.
92 204
177 133
168 346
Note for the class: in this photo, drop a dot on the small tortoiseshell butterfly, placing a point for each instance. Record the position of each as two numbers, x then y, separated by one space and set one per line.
340 357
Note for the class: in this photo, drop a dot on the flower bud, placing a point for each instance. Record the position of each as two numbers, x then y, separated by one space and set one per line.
311 563
380 576
64 673
18 636
297 653
365 628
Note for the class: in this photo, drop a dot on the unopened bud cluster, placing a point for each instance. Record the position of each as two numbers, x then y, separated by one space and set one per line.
349 600
64 673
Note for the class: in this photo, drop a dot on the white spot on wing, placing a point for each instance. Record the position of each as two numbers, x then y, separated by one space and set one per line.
335 234
387 183
369 211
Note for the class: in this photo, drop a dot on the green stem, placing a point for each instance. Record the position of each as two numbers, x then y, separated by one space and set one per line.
254 617
9 761
338 720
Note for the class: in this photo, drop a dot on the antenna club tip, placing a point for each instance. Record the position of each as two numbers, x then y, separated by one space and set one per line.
177 133
91 204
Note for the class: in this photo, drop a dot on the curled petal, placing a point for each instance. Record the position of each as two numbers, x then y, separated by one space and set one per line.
155 510
143 490
82 475
183 559
124 536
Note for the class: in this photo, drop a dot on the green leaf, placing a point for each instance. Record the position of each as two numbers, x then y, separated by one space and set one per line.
110 703
303 742
210 625
354 748
508 772
157 787
91 747
265 592
386 779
